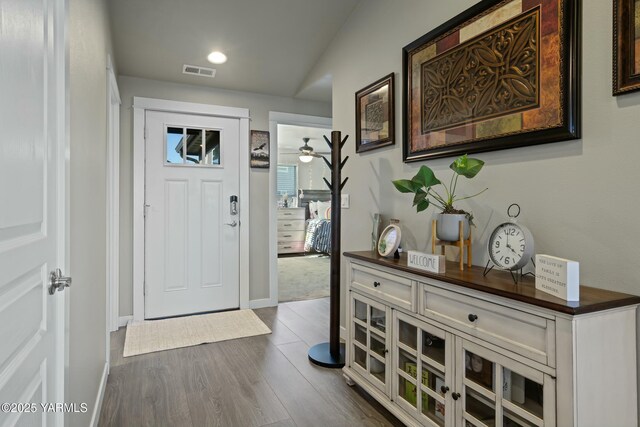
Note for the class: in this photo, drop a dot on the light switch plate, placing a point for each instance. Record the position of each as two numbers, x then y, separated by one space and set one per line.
344 202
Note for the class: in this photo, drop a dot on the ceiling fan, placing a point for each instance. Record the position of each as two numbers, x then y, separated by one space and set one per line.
307 153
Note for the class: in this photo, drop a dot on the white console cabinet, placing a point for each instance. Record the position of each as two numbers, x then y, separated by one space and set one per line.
461 349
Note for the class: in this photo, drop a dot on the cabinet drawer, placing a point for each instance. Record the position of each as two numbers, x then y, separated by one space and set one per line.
290 236
524 333
290 224
297 213
290 247
390 288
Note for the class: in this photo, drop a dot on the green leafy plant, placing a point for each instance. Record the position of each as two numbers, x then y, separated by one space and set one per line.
422 186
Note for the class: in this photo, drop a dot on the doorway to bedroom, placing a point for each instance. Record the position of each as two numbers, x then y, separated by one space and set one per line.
303 213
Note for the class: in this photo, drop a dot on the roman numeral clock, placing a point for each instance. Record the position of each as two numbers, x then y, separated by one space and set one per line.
510 246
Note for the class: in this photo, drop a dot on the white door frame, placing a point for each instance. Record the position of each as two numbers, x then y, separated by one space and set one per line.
140 107
113 201
275 119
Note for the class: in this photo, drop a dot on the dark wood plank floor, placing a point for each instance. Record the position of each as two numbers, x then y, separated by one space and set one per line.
257 381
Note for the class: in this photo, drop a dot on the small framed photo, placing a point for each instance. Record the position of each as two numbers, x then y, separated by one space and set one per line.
260 149
626 46
375 115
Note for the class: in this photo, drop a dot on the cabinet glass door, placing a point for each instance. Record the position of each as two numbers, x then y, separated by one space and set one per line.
421 372
498 391
368 354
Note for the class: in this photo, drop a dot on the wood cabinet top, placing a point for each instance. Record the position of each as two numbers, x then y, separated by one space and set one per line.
500 283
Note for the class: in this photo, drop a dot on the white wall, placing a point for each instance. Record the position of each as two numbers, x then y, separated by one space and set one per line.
579 198
259 107
309 174
90 42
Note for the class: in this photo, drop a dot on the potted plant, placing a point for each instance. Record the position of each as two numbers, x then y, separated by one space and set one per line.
423 187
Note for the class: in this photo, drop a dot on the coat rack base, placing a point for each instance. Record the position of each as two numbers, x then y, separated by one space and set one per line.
320 355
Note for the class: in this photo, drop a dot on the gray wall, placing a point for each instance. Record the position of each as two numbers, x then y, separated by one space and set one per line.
259 107
90 41
578 198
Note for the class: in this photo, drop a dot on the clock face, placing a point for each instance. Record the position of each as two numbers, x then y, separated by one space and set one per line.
510 247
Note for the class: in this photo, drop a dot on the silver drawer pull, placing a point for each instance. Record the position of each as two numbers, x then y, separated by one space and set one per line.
287 235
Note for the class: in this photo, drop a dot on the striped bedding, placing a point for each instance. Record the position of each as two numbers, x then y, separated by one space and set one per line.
318 237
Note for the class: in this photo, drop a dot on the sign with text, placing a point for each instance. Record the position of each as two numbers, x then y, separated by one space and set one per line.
426 262
559 277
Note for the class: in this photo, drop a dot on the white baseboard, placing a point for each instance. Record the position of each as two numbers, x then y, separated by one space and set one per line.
97 407
124 320
261 303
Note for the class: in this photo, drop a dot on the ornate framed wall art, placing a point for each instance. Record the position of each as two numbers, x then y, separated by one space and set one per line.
626 46
502 74
375 115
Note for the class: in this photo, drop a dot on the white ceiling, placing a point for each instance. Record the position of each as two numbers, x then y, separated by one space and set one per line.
290 138
272 45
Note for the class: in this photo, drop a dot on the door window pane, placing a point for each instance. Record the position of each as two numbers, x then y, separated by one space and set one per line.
192 146
432 378
212 147
523 392
478 370
174 145
512 420
360 357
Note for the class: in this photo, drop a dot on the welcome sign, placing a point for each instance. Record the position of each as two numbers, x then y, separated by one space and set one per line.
426 262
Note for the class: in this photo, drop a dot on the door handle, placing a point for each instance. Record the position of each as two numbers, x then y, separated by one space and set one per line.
231 224
57 282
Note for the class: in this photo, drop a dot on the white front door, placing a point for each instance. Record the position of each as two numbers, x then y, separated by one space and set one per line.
32 209
191 232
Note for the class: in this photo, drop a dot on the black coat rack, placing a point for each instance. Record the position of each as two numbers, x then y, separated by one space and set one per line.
331 354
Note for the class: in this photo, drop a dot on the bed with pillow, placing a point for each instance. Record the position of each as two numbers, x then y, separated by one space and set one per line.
318 214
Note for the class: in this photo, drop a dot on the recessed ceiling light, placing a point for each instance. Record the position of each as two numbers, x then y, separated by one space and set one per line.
217 57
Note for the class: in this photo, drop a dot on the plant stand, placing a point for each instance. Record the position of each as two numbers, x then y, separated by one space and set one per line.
461 243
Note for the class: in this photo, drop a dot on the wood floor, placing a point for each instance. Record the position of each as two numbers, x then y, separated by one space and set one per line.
257 381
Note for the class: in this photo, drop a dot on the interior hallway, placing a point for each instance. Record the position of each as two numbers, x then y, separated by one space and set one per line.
258 381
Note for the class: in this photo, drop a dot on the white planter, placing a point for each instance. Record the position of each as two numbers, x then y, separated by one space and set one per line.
448 227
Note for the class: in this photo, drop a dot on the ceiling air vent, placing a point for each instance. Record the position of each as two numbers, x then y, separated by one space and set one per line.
195 70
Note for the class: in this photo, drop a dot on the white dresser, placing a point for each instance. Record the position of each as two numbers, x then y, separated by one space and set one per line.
461 349
291 230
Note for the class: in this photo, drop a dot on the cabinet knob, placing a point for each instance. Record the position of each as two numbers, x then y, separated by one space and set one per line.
455 396
472 317
376 284
444 389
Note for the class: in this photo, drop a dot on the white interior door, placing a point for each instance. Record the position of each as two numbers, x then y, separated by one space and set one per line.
191 232
32 211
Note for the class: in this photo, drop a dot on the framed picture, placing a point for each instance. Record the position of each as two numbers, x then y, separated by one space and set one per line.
502 74
375 115
259 149
626 46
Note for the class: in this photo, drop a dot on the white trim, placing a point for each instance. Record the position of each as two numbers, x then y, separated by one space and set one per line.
95 415
261 303
113 200
343 333
63 182
275 119
124 321
140 106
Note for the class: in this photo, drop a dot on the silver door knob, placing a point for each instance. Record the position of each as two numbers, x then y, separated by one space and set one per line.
231 224
57 282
